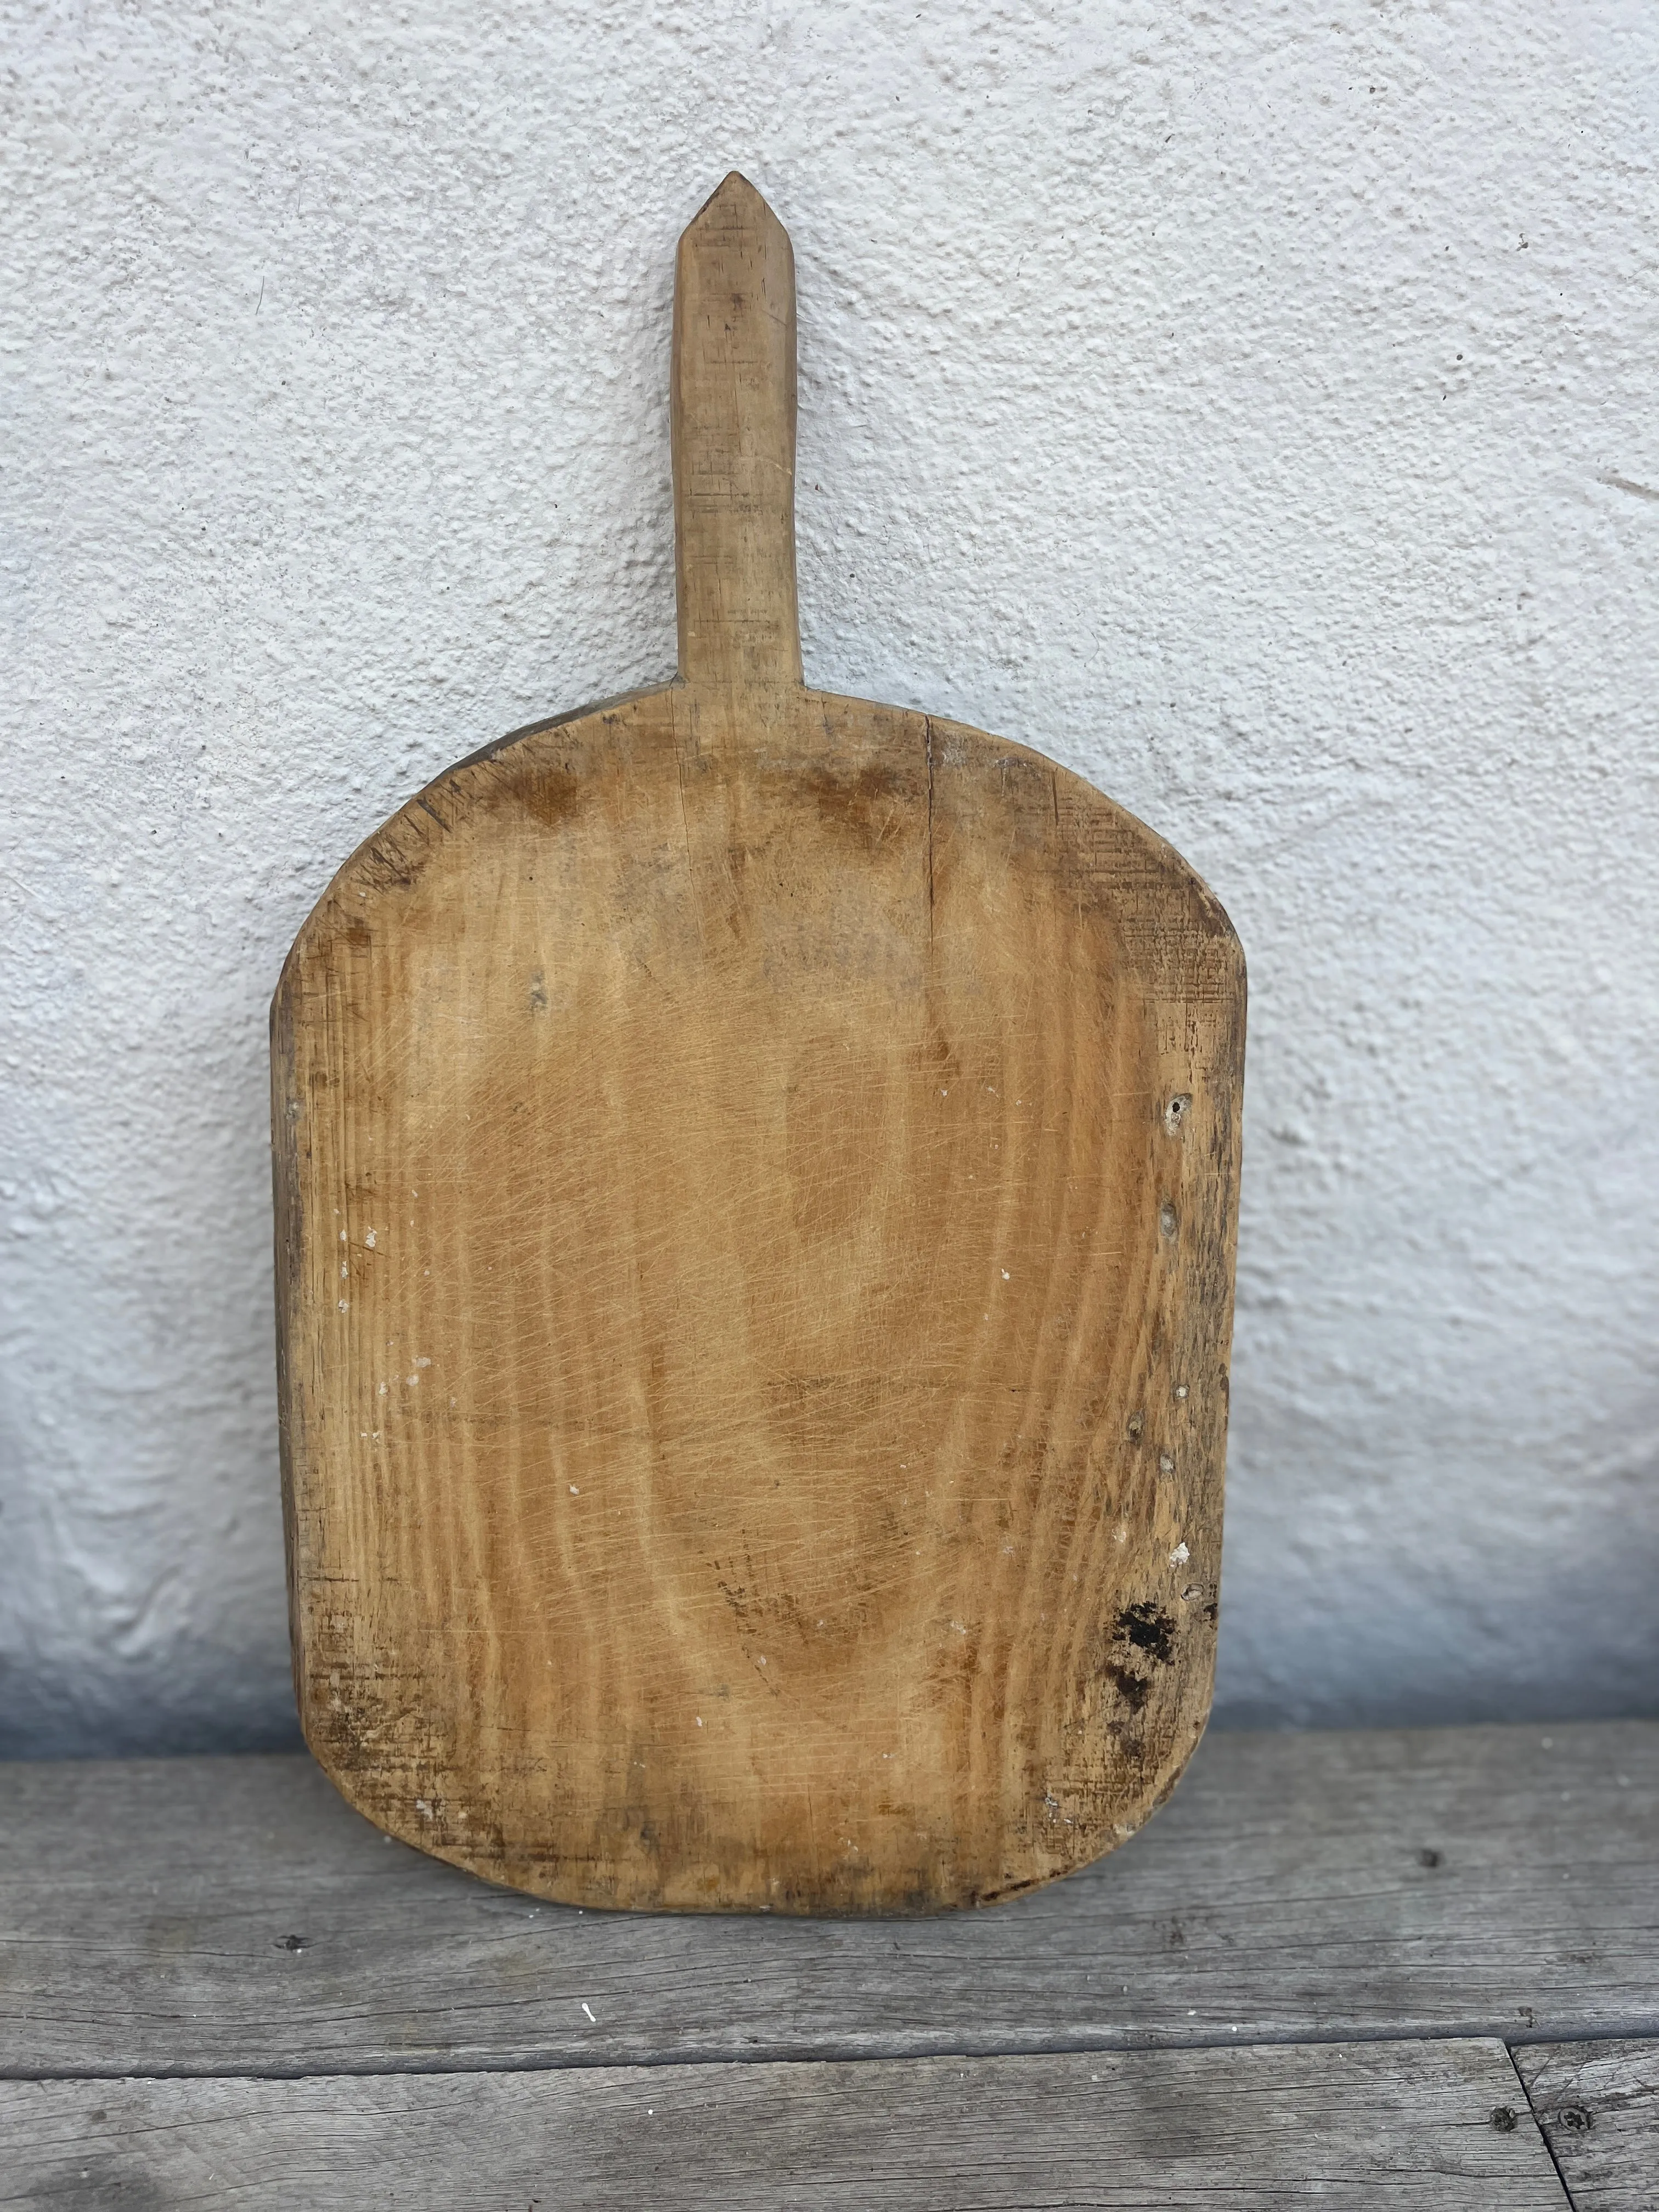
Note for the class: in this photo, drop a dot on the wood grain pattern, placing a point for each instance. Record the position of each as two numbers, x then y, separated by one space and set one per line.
1598 2106
232 1916
1390 2127
756 1185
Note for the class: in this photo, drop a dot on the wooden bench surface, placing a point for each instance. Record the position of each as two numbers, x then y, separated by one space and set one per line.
1316 1972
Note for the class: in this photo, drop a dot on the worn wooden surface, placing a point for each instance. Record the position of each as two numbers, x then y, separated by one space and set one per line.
1598 2104
232 1916
756 1179
1405 2127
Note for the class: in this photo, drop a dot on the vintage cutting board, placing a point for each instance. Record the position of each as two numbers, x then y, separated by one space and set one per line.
757 1181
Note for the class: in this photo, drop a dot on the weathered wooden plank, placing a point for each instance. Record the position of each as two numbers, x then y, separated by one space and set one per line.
1388 2127
234 1916
1598 2104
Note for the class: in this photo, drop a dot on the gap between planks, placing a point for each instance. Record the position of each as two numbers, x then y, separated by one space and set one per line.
778 2054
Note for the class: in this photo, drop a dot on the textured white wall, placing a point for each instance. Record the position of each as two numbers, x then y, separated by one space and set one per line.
1251 406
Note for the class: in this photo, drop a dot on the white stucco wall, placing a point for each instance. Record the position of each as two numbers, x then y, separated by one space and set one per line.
1252 406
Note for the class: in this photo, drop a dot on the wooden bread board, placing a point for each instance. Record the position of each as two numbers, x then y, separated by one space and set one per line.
757 1181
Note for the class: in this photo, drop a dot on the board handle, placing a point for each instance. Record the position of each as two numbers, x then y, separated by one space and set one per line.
734 445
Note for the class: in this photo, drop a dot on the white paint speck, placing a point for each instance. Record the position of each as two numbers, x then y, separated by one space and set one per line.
588 2009
368 1239
574 1492
1180 1556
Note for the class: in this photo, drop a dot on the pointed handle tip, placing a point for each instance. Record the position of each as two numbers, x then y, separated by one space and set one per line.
733 197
